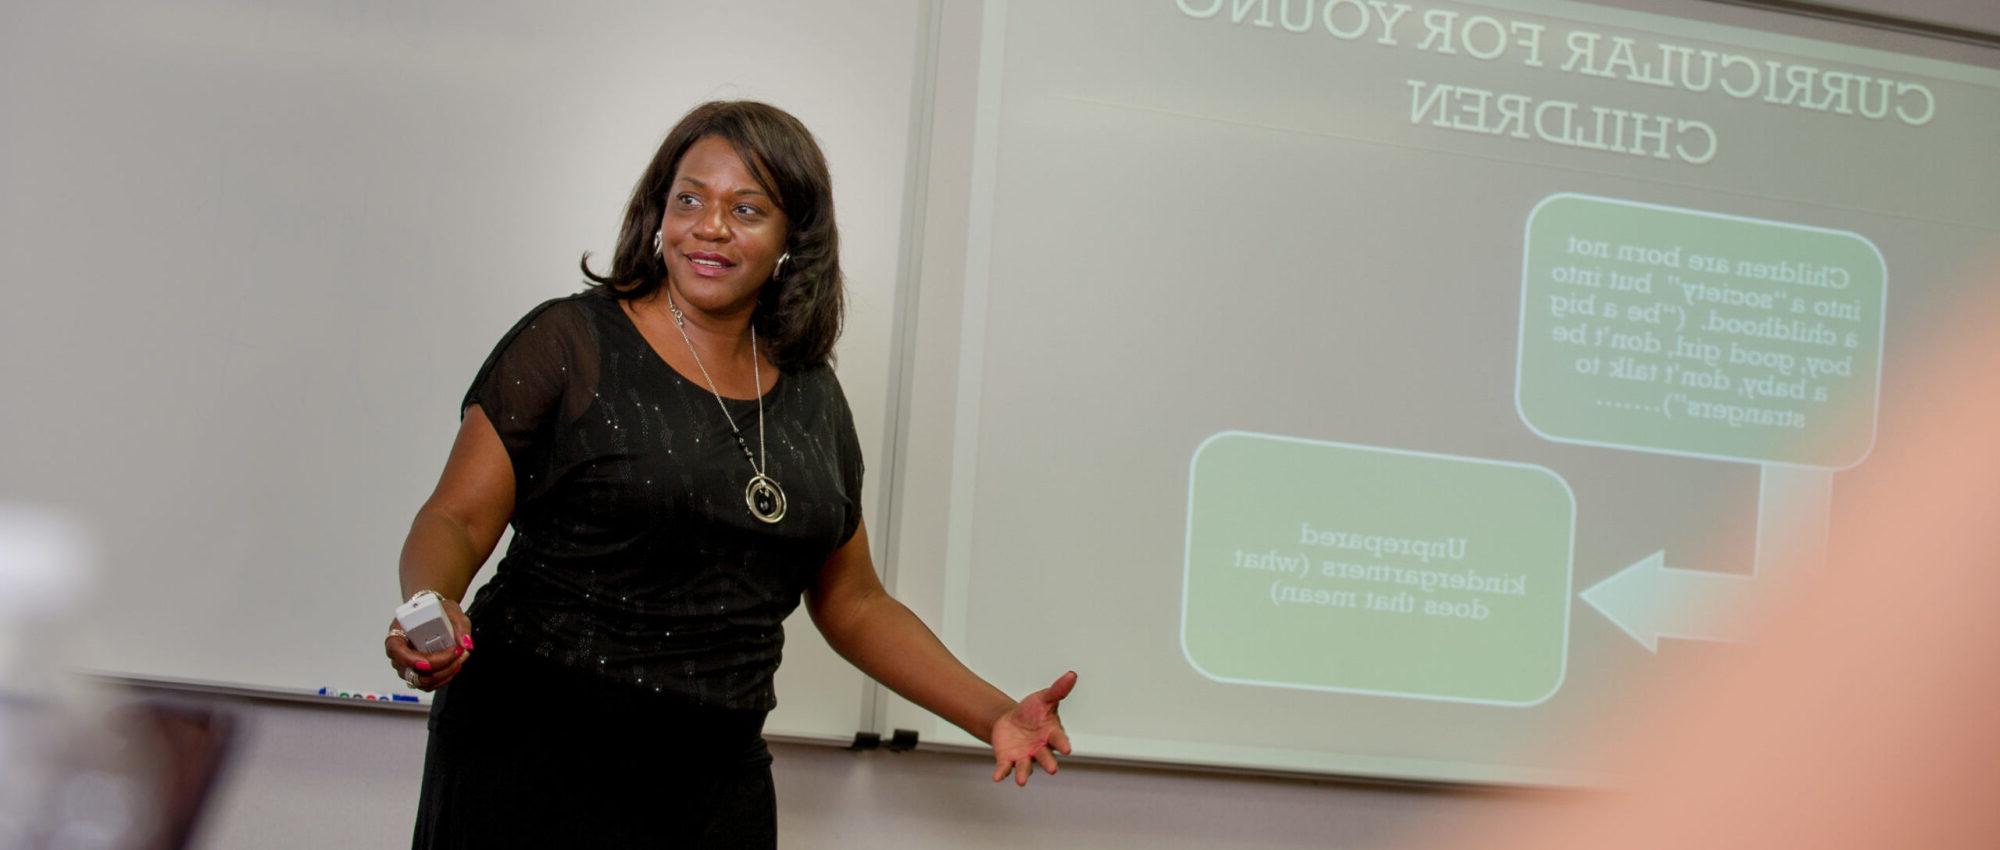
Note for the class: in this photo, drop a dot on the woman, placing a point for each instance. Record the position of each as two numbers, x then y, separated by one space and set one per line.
679 466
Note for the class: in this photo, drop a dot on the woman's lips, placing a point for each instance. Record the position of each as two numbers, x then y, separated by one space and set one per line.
709 265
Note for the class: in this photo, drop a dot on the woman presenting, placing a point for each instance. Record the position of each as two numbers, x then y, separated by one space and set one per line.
680 466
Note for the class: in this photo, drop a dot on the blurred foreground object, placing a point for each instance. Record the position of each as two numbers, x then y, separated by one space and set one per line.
44 568
81 768
1865 714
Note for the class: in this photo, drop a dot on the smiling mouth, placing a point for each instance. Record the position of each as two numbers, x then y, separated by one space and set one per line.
711 262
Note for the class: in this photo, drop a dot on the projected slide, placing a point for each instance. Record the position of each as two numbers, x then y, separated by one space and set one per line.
1303 571
1406 388
1699 334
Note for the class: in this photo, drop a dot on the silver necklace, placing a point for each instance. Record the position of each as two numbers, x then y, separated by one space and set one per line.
762 495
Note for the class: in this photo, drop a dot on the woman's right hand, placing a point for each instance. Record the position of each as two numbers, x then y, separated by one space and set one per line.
428 672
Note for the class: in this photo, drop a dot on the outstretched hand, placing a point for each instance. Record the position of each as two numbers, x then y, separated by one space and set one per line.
1031 733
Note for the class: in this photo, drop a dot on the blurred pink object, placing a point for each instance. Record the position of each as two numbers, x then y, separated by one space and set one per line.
1867 714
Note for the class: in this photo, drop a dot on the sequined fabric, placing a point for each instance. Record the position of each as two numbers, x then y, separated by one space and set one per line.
634 557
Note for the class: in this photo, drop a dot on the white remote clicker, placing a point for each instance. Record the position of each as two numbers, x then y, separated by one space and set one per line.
423 620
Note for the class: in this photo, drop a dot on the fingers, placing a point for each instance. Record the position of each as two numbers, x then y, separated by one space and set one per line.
432 669
1019 767
1059 740
435 677
1063 685
461 625
438 678
451 667
1046 759
1023 768
397 647
404 656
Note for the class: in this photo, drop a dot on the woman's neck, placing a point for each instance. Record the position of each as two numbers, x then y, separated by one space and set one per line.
726 335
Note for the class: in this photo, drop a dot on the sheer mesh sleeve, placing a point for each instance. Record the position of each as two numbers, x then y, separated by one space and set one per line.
851 466
540 376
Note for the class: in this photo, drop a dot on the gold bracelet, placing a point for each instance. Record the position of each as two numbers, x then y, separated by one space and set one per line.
425 592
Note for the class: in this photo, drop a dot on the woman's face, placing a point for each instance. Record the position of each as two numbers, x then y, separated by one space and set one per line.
721 234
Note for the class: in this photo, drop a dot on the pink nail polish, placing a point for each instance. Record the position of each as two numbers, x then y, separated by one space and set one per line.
423 665
465 641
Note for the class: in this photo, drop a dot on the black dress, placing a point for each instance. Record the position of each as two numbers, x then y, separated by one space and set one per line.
633 627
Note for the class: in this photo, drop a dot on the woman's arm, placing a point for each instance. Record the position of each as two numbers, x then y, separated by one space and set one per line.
869 628
451 536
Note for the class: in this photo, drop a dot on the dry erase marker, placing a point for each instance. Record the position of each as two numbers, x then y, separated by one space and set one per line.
370 696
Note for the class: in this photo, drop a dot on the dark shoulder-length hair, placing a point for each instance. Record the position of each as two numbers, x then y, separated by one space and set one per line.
799 312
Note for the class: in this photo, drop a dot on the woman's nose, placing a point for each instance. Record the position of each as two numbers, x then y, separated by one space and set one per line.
711 225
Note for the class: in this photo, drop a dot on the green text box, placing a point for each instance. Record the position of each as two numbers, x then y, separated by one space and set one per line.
1695 333
1335 567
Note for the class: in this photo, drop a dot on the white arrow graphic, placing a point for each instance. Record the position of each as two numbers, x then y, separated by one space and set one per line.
1650 600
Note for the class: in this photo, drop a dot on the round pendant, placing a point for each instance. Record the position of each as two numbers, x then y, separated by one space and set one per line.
765 500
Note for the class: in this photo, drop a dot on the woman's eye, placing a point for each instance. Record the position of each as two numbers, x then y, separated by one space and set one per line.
686 200
748 211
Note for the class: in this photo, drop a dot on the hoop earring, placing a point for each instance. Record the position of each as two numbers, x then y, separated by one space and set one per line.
778 270
656 242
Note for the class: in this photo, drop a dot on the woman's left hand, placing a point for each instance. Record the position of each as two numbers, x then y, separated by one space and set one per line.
1027 733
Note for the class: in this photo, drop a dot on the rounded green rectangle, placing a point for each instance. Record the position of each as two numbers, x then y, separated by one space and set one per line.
1694 333
1327 566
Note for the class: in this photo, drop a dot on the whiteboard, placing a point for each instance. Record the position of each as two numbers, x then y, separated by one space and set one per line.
256 252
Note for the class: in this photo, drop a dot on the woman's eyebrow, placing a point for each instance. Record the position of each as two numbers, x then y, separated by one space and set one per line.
748 190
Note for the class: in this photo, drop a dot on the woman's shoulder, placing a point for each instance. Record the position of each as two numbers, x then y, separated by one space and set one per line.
818 387
564 326
591 303
816 377
567 314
